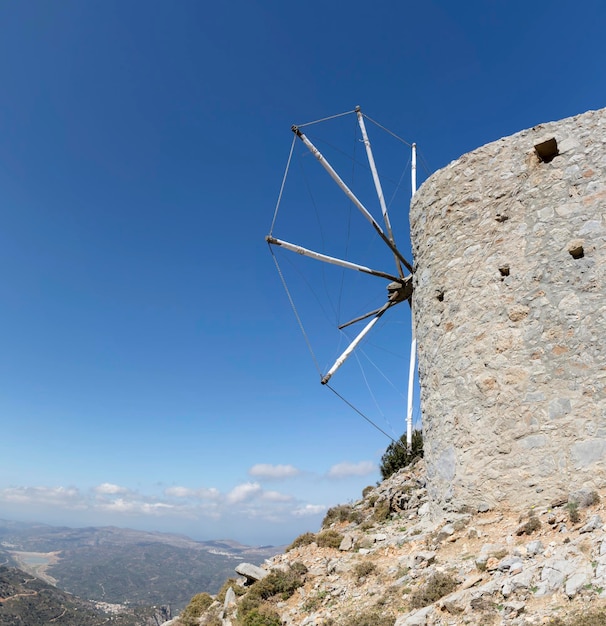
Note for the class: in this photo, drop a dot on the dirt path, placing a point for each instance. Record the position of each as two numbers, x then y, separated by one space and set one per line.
19 595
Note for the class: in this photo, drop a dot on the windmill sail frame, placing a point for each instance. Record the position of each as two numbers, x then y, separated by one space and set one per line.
401 287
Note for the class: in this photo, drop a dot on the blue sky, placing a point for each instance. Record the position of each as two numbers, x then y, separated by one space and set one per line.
152 373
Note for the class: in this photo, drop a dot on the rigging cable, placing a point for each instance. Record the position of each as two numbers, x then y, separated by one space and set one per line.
273 222
372 395
387 131
362 415
395 192
294 308
325 119
424 164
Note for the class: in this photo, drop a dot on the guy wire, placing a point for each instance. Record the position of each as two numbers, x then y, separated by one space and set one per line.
363 416
294 308
273 222
325 119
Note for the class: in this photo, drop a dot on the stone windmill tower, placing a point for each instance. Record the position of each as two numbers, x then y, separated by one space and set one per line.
510 307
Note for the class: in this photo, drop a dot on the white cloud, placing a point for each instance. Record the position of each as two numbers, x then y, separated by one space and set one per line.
69 497
210 494
243 492
346 469
179 492
309 509
275 472
276 496
114 504
120 505
187 492
109 489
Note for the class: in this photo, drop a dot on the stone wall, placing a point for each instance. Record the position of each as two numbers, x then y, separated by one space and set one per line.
510 315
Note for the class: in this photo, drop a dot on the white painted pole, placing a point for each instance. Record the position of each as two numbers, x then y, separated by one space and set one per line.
353 345
327 259
350 194
413 169
413 342
411 382
377 181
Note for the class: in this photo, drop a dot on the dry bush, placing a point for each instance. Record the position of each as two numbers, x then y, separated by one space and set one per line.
302 540
573 512
196 607
381 512
234 584
438 586
329 539
595 618
364 568
530 526
371 617
278 582
341 513
262 615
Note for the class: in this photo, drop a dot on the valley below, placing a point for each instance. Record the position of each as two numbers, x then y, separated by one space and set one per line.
114 568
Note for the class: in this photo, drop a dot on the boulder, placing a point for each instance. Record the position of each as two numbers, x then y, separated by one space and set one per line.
251 572
230 598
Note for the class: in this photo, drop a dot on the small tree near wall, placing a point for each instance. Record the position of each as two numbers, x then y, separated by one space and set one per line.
398 456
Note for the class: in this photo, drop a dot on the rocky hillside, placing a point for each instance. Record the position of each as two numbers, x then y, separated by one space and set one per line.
383 562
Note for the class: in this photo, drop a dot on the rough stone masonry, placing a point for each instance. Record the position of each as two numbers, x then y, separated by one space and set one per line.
509 244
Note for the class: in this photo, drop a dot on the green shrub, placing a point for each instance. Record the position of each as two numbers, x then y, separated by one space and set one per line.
196 607
338 513
302 540
278 582
234 584
252 609
367 490
249 602
262 615
398 455
341 513
438 586
329 539
573 512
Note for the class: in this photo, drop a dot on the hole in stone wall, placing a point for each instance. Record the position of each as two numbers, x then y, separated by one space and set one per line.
576 252
547 150
501 217
440 296
504 270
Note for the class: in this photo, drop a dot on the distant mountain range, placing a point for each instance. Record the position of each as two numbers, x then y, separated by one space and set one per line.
123 566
